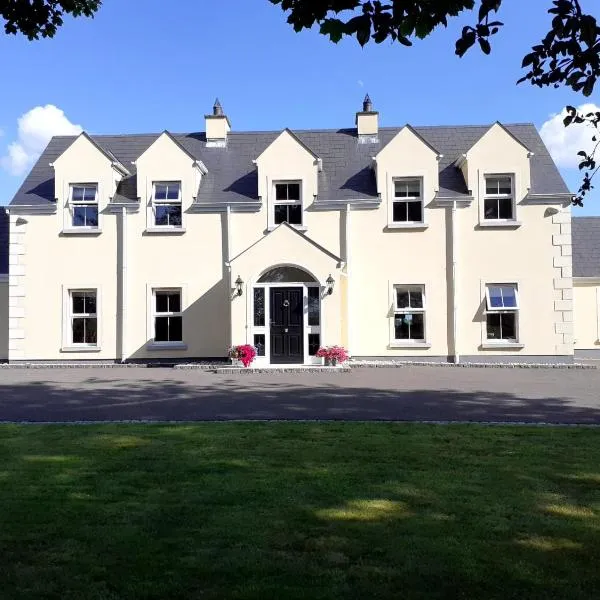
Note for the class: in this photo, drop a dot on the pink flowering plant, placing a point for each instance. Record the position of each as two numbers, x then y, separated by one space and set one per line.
333 354
244 352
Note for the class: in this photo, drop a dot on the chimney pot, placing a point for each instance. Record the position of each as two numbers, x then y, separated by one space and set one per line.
217 127
367 104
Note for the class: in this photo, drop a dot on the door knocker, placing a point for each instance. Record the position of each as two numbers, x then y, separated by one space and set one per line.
286 303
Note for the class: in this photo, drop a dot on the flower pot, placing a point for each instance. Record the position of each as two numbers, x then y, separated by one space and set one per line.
334 362
236 362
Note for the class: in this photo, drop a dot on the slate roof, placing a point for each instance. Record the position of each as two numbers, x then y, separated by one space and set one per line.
347 164
3 241
586 246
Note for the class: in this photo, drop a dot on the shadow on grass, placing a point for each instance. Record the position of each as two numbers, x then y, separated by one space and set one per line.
163 396
338 510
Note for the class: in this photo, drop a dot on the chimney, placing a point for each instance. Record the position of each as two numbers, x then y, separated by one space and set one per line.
367 122
217 127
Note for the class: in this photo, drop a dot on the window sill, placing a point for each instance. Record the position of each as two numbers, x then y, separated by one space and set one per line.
296 227
81 349
81 231
502 346
164 230
166 346
500 224
413 226
407 345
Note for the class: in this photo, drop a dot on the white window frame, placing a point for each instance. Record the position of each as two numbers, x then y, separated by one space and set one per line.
151 290
498 196
489 309
67 322
154 203
72 203
403 342
276 202
407 199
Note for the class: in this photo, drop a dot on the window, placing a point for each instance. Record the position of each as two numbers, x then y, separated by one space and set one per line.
168 318
408 204
259 344
409 313
84 205
83 317
498 201
259 307
167 204
502 302
288 205
314 301
314 343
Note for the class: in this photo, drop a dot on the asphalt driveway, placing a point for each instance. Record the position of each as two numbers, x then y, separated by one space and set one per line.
405 394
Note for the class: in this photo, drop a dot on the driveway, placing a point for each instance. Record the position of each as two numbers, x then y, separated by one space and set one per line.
405 394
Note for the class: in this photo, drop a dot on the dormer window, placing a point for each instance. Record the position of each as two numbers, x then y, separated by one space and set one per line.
287 206
408 201
84 206
498 204
167 204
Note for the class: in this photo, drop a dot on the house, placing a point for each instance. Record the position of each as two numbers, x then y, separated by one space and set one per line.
426 243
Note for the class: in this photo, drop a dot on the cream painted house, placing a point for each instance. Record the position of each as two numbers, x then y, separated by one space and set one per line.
423 243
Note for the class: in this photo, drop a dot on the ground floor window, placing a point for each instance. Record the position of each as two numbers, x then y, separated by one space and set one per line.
502 304
83 317
409 313
167 315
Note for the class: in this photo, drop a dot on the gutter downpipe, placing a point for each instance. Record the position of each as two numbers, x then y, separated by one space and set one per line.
348 283
456 357
227 262
123 284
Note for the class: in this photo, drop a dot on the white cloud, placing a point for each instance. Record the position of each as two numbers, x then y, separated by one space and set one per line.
361 83
565 142
35 128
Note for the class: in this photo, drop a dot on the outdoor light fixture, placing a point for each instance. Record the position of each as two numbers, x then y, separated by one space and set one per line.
330 281
239 286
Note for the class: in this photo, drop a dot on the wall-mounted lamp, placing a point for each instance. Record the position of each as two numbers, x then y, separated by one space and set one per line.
330 281
239 286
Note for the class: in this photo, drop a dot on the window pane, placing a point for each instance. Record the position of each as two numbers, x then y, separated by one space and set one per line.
89 302
505 208
79 216
313 306
89 194
490 208
509 296
280 213
78 331
174 300
295 214
90 331
416 299
400 189
415 211
400 212
78 193
505 186
161 329
175 329
509 329
174 213
281 191
314 343
294 191
160 192
259 307
491 185
493 326
417 327
495 294
161 215
162 302
259 344
173 191
78 299
414 188
402 298
91 216
401 326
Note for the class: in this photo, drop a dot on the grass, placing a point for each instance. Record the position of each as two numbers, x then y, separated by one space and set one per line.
311 511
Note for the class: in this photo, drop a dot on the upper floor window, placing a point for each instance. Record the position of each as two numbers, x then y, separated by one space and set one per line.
288 203
498 203
408 201
502 303
167 204
409 313
84 205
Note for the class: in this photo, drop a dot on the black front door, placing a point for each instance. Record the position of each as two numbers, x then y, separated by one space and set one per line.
286 325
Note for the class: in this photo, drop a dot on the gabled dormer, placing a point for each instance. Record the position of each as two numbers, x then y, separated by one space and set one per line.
86 176
287 179
497 173
407 174
168 178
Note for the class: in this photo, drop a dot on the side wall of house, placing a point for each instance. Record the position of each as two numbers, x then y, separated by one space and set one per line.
3 318
586 302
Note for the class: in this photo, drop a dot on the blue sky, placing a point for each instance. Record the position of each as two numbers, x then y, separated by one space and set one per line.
132 70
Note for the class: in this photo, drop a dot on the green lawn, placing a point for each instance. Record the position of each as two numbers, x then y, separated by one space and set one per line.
278 511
